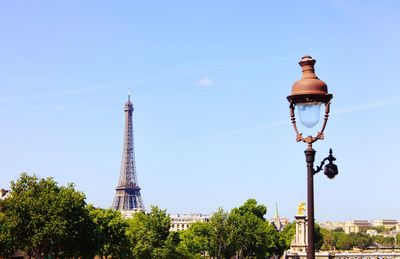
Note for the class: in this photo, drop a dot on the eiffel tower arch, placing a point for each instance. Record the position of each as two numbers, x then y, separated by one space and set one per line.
128 199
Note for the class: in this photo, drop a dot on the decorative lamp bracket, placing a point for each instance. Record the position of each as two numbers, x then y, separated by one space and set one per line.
330 169
309 139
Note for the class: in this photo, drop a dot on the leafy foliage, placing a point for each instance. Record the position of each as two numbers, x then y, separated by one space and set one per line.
318 237
287 234
197 239
341 241
361 240
110 233
46 219
380 229
220 245
243 232
329 239
386 241
250 234
6 239
150 237
338 229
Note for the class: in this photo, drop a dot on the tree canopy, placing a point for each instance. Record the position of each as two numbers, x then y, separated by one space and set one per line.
110 233
46 219
150 237
242 232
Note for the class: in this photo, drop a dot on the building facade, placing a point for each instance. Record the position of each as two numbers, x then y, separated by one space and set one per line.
183 221
355 226
4 194
387 223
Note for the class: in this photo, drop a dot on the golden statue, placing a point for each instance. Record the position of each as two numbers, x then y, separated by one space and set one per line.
301 208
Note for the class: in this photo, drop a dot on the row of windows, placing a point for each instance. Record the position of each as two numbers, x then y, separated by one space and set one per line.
183 226
190 219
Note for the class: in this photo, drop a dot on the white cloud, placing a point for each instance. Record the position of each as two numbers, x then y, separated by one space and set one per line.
234 132
205 82
74 91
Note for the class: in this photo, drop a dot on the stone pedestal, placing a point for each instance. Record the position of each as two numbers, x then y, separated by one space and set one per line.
299 243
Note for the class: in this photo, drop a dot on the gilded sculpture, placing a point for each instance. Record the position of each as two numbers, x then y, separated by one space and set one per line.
301 209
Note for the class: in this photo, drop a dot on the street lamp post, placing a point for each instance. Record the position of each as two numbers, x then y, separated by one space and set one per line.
308 94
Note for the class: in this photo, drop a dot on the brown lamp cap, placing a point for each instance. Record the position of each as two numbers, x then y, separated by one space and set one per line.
309 88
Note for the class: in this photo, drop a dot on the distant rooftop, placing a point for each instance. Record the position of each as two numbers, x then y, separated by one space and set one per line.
4 194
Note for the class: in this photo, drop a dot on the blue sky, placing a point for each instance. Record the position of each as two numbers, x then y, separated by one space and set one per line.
209 81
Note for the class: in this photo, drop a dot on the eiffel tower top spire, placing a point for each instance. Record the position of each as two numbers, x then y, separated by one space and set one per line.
128 198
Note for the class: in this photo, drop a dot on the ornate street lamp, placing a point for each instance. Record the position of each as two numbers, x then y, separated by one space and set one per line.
308 95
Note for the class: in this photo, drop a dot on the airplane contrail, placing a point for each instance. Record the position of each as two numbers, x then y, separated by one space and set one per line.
62 93
368 106
345 110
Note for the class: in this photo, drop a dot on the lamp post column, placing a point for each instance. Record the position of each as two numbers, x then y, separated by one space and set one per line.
310 157
308 94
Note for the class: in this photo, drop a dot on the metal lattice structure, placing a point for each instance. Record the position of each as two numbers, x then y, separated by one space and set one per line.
127 198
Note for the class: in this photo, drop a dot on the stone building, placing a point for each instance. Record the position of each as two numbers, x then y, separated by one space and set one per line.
183 221
4 194
387 223
355 226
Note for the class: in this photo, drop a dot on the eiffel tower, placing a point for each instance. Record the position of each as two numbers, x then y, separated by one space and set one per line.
127 198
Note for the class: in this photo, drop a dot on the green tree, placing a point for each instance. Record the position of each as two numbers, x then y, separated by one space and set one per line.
110 235
243 233
338 229
275 244
361 241
148 233
250 207
288 233
6 241
348 241
48 220
380 229
386 241
250 235
390 241
343 241
196 239
329 240
318 237
219 244
172 248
